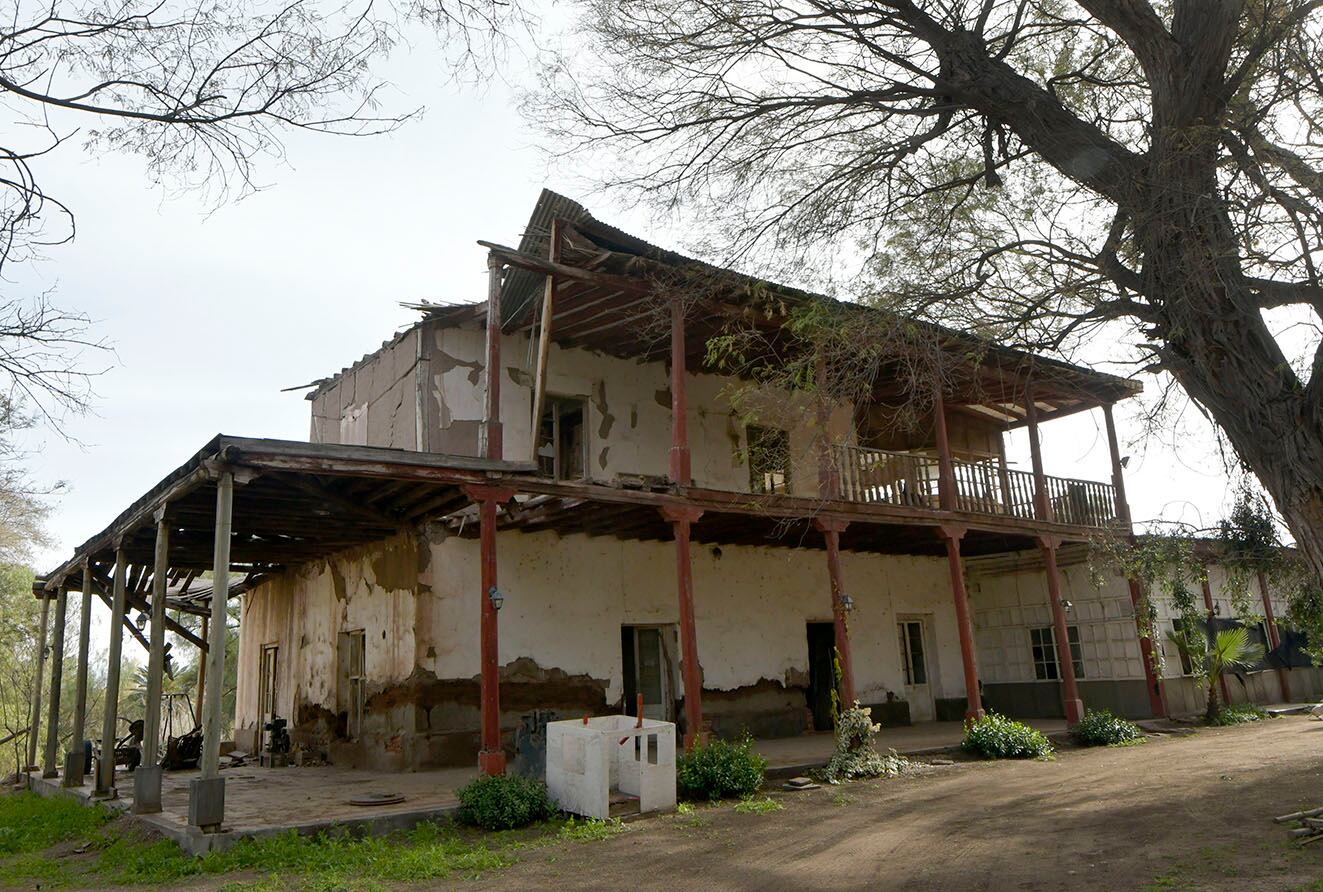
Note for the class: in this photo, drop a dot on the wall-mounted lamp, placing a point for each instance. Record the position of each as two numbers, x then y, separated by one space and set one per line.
494 595
140 620
847 603
1217 609
1066 605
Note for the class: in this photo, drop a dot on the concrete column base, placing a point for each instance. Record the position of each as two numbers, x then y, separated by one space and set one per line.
51 772
206 803
74 762
974 714
147 789
100 790
1074 711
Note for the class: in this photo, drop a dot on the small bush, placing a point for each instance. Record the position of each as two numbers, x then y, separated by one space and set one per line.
720 769
1240 713
855 755
997 737
1100 728
504 801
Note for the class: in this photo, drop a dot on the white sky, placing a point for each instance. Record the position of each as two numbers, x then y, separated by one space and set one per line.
211 314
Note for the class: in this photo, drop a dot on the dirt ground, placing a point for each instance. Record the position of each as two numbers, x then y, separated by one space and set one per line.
1180 812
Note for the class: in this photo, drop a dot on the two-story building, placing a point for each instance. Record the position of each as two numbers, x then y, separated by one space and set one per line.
551 500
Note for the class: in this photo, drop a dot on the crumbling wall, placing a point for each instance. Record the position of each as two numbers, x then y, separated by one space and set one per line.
566 598
374 402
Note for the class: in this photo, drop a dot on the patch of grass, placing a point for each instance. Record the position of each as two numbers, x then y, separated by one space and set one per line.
589 829
1239 714
29 822
752 806
840 799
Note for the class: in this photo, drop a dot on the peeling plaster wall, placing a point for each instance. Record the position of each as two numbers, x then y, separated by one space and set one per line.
373 403
628 423
566 599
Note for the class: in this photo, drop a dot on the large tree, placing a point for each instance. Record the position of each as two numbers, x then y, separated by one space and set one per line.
1036 170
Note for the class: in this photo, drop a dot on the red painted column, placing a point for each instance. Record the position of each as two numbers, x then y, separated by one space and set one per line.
946 486
1274 638
681 518
973 699
680 464
1157 700
491 755
1070 691
831 530
1208 605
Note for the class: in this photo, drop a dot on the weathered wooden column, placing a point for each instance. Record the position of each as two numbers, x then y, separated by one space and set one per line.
544 338
34 720
51 763
147 777
75 759
831 530
681 518
490 434
105 774
947 495
681 465
1274 637
206 800
201 692
952 534
1157 700
1070 692
1211 612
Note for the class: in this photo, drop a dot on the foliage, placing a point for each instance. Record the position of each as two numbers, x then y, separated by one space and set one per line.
855 755
1240 713
1100 728
504 802
996 737
753 806
720 769
1230 650
29 822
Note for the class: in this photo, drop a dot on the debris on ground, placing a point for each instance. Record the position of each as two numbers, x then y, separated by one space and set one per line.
1311 821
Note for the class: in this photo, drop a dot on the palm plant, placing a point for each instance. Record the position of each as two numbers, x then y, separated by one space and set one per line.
1215 655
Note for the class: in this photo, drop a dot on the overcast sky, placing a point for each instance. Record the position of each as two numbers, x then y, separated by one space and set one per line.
212 311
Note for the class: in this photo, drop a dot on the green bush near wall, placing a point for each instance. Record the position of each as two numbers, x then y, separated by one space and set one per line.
720 769
996 737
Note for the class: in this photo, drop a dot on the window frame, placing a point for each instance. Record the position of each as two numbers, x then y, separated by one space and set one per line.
551 405
1043 652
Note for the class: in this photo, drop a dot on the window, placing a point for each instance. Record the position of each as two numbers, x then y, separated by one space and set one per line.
356 676
1043 644
911 652
769 460
561 444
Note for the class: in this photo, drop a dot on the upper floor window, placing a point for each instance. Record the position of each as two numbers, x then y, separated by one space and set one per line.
561 444
1043 644
769 460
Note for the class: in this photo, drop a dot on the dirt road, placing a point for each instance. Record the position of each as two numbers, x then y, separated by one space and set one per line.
1180 812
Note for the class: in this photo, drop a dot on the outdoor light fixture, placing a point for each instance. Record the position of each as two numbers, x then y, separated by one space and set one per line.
140 620
1217 609
494 595
847 603
1066 605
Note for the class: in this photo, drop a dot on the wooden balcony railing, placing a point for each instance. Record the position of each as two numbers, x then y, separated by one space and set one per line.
912 479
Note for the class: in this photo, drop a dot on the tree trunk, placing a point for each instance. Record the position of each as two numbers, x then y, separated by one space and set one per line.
1210 712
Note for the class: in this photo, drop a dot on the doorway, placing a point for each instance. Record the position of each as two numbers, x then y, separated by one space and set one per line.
648 670
912 635
822 673
266 691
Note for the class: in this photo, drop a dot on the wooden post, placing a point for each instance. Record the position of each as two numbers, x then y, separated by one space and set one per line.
681 467
544 338
1274 638
681 519
1003 476
156 655
1212 634
1042 504
51 762
76 761
1070 691
946 484
831 530
198 696
206 794
105 775
1157 700
492 445
964 625
491 756
34 722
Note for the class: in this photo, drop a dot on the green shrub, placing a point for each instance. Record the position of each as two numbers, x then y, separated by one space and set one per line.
1100 728
720 769
1239 714
997 737
504 801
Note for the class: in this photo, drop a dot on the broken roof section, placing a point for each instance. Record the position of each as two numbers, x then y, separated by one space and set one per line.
608 284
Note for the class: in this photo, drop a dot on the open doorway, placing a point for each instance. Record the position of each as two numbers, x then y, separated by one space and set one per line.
822 673
912 637
648 670
266 691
